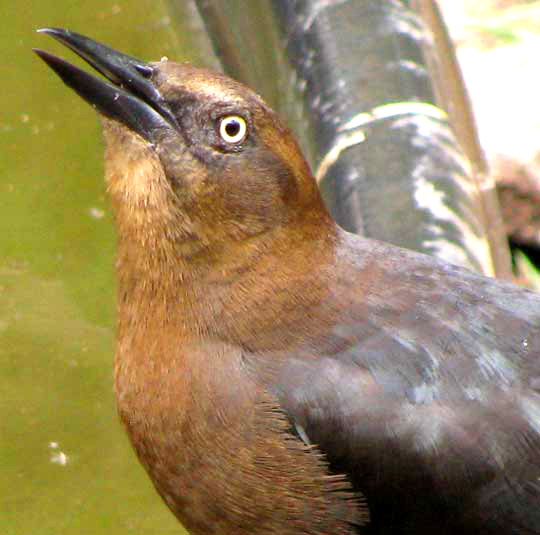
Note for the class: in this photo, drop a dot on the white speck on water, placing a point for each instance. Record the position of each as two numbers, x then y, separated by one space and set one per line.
96 213
57 457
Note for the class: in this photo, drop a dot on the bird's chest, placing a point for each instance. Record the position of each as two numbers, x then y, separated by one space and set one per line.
174 395
155 394
187 421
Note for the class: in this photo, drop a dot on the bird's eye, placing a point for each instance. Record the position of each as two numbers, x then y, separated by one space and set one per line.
232 129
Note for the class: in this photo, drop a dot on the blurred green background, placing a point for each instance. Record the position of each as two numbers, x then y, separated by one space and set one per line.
67 466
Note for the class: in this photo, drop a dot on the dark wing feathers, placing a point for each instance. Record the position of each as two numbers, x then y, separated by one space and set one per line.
427 397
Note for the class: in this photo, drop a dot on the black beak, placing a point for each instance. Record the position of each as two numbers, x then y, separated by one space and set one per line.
131 98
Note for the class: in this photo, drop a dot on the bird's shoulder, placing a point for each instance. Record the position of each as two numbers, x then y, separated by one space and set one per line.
421 374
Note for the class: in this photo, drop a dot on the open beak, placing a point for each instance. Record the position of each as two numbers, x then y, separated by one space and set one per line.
130 98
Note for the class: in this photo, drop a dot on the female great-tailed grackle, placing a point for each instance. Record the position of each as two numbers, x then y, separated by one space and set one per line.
277 375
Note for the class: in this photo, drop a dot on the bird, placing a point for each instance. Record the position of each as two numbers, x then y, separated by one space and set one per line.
276 374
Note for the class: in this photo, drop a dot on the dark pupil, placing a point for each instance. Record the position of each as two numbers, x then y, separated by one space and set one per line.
232 128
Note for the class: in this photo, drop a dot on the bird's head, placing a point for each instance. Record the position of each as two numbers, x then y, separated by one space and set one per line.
193 157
